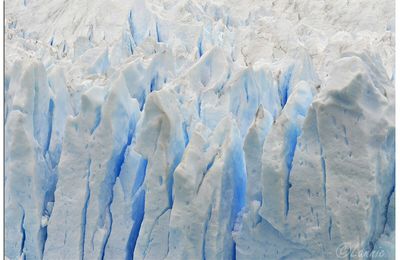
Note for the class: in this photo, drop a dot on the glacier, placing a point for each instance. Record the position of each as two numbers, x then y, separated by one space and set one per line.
199 129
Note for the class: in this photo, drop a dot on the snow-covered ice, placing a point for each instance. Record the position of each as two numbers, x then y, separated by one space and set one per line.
199 129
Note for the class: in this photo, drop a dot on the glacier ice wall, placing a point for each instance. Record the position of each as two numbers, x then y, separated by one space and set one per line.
199 130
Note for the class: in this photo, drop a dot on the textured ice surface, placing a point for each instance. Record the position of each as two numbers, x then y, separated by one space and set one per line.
199 129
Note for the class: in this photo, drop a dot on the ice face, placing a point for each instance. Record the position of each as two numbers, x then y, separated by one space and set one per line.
199 130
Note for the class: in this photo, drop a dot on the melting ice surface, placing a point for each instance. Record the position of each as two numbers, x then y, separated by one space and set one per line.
199 129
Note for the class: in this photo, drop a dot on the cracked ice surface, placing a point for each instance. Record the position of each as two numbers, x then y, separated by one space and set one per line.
199 129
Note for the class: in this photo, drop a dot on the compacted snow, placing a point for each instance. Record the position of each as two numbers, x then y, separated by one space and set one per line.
199 129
